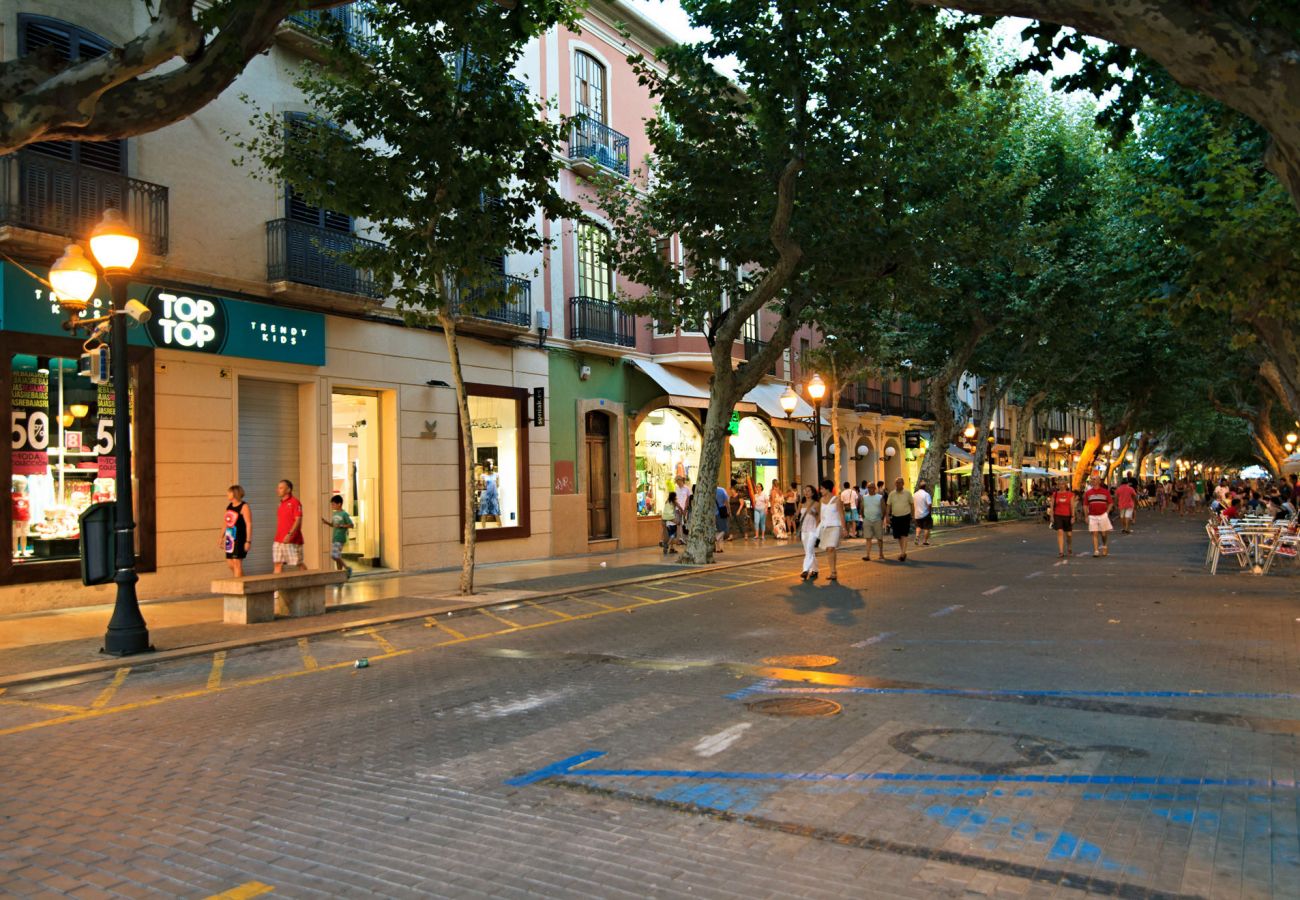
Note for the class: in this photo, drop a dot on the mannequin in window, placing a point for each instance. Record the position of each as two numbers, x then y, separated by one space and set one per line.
489 503
21 516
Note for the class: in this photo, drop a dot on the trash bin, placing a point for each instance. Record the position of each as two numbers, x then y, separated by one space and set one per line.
97 537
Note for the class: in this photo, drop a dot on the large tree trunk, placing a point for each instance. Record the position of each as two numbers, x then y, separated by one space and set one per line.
1018 439
983 449
467 452
835 426
704 508
949 411
1140 455
1117 459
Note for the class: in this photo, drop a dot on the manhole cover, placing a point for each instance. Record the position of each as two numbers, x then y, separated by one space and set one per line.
794 706
807 661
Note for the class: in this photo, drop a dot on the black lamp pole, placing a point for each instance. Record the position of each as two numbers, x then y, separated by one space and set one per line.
817 436
127 632
993 500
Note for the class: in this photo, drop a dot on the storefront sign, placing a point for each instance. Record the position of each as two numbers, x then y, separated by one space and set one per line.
912 440
182 320
30 422
539 406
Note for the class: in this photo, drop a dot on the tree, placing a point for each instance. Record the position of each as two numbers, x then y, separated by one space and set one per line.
426 134
138 87
1242 54
785 188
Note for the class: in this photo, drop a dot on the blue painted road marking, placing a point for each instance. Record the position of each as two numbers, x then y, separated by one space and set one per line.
568 766
945 611
876 639
988 692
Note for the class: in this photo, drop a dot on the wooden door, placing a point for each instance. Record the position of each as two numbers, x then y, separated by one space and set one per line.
599 521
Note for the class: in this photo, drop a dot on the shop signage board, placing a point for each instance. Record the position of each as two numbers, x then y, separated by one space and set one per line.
182 319
912 440
539 406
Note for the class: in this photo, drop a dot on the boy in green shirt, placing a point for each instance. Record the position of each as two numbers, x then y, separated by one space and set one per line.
340 523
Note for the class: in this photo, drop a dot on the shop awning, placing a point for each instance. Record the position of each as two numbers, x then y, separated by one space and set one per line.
684 387
958 453
768 398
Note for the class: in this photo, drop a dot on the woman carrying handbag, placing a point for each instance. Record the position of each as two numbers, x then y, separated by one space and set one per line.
809 524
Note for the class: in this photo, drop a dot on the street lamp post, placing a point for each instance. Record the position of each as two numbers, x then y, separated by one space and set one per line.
114 248
993 500
816 390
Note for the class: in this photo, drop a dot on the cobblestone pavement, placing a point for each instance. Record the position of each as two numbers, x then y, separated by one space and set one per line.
982 720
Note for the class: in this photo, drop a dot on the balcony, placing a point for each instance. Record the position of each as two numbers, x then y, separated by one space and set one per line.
311 25
65 199
309 255
516 312
1002 435
753 347
601 321
595 147
918 406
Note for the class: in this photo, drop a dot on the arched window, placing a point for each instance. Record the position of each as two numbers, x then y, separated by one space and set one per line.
589 95
595 277
70 44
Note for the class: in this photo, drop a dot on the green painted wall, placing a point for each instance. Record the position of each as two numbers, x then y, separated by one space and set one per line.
611 379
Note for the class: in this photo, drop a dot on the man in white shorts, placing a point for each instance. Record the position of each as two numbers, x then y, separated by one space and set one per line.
1097 502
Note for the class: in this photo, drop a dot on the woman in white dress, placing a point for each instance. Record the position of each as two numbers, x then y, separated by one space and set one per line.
832 524
808 518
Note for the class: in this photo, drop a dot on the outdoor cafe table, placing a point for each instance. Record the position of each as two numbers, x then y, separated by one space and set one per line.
1253 534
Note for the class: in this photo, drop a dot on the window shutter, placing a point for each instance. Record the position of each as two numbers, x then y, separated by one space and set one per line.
71 44
298 209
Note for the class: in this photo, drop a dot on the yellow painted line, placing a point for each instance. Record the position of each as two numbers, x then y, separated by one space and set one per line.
309 663
34 704
99 710
243 892
590 601
379 639
502 619
546 608
107 693
218 665
431 622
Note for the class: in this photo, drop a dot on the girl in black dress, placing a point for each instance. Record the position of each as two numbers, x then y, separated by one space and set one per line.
237 530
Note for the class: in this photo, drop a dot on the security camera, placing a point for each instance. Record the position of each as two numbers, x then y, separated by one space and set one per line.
584 373
138 311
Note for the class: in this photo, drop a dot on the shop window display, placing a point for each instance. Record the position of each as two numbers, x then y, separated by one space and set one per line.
754 453
667 445
61 460
494 422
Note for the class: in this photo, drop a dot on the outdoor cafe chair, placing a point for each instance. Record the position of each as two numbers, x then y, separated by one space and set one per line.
1224 541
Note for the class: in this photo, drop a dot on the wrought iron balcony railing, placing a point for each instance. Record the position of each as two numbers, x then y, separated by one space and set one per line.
360 33
753 347
597 143
593 319
1003 435
307 254
55 196
517 310
866 399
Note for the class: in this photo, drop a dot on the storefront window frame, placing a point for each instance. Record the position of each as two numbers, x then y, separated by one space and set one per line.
522 398
142 449
690 416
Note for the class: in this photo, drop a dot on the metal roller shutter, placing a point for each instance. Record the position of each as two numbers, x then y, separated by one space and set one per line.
268 452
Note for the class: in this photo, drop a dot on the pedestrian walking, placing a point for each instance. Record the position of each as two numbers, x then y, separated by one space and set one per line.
760 512
1063 503
237 530
849 505
898 509
791 509
1126 503
832 525
809 514
722 512
1097 501
286 549
873 519
340 523
776 509
922 503
669 517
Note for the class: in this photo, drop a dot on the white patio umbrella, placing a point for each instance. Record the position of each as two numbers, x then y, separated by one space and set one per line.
1254 472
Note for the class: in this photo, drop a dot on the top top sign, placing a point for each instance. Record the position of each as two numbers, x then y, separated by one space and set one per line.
181 320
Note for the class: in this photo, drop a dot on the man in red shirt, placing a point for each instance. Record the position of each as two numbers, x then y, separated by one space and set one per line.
1126 501
1097 502
1062 504
287 549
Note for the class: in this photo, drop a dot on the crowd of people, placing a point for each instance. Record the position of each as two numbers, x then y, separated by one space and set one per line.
819 516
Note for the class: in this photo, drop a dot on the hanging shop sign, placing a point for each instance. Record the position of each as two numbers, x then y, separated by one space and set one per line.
29 396
182 320
912 440
539 406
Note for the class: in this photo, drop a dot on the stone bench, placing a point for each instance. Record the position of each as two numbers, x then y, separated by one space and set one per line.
253 597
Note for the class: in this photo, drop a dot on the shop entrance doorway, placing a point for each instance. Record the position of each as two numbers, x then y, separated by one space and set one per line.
354 474
599 521
268 452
